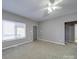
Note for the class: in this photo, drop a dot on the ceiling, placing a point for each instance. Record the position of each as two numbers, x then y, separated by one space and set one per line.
34 9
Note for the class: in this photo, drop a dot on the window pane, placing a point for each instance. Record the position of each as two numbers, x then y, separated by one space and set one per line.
8 30
12 37
13 30
20 30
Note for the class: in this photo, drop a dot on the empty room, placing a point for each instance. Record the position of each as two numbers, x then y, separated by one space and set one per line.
39 29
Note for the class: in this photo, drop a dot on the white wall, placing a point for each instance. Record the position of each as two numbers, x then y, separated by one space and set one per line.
29 28
53 30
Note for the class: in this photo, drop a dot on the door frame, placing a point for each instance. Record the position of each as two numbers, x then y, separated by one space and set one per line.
34 39
70 23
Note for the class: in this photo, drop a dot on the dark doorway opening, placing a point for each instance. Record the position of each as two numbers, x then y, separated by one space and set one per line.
34 33
70 32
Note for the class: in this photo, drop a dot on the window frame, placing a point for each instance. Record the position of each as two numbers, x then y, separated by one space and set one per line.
14 31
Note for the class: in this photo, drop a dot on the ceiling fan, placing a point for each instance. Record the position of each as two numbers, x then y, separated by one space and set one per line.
52 5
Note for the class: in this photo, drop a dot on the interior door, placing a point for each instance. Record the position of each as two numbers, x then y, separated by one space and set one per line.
70 31
66 33
34 33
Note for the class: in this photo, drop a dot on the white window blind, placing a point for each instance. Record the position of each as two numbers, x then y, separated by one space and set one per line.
13 30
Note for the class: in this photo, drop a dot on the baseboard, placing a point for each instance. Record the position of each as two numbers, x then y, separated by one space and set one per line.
31 41
52 42
16 45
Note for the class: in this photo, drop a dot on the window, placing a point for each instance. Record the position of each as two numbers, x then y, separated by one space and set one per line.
13 30
8 30
20 30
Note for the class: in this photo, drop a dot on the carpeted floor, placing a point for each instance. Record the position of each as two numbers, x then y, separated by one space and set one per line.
41 50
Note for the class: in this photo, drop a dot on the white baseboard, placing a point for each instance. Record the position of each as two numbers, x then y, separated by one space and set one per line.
52 42
16 45
31 41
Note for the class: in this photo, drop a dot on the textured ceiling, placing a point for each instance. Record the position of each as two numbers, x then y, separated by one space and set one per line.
34 8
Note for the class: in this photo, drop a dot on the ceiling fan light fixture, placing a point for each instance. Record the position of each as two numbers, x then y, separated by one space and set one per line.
52 6
49 4
49 9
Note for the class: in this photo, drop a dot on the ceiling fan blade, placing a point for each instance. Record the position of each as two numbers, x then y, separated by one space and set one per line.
43 9
56 7
57 2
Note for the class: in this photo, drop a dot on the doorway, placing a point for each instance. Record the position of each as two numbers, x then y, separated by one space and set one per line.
34 33
70 32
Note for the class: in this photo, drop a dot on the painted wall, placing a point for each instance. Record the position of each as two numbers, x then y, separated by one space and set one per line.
29 28
53 30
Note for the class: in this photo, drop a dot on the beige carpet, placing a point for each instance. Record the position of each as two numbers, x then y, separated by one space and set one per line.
41 50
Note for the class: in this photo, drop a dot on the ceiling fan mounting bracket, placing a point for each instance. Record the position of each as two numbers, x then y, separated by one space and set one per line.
52 1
